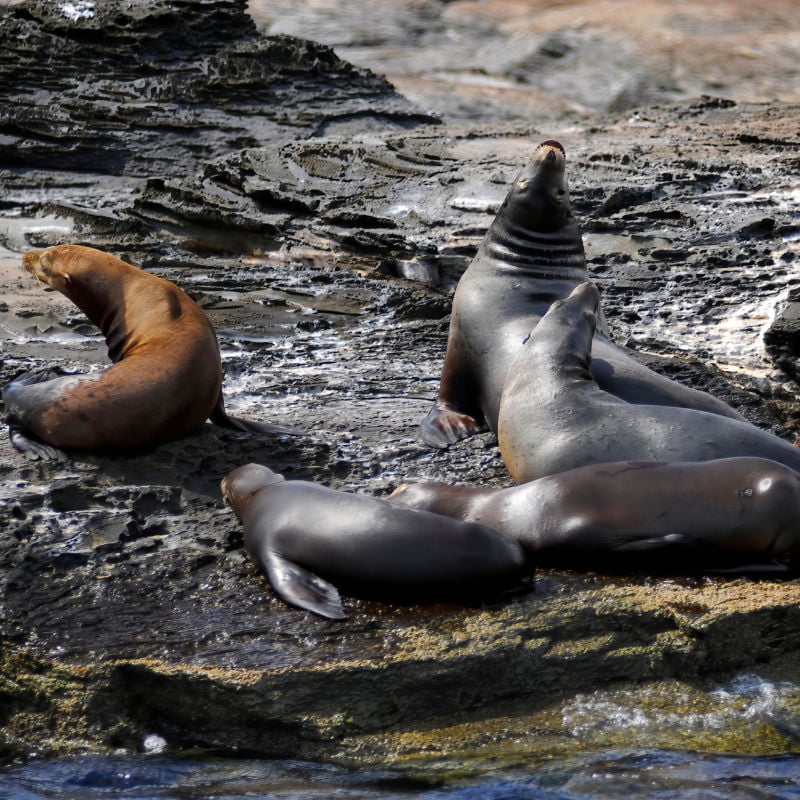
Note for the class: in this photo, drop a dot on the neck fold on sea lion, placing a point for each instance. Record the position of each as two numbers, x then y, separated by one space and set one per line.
114 329
558 254
535 230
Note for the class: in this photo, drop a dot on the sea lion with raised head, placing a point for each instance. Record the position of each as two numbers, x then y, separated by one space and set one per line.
166 376
531 255
309 539
733 513
554 416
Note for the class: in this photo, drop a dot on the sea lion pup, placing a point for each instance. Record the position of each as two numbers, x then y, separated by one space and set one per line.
166 379
733 513
554 417
307 537
531 255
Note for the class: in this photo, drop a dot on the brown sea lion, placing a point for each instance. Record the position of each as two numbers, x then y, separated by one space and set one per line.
166 379
307 537
554 416
733 513
531 255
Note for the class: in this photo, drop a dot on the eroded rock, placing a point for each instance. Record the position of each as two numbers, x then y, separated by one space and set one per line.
157 88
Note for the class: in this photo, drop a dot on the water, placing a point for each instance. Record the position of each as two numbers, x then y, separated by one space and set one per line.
651 774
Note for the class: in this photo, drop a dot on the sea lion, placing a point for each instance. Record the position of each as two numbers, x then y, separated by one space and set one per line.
554 416
733 513
531 255
307 537
166 377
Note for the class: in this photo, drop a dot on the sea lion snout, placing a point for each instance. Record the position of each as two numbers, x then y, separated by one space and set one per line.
551 153
542 184
588 294
223 487
553 144
585 295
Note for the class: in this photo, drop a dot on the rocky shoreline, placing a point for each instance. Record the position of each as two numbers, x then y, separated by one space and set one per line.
321 219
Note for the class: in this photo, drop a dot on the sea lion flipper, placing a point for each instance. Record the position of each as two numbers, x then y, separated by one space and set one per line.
31 447
444 426
251 426
670 542
219 416
715 559
302 588
41 375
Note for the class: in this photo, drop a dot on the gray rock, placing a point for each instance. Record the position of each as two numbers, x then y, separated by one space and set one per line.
157 88
782 338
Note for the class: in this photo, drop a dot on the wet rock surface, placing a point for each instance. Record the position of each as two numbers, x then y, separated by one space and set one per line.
321 219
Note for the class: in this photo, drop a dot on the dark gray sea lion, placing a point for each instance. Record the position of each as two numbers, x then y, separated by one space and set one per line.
166 379
733 513
554 417
307 537
531 255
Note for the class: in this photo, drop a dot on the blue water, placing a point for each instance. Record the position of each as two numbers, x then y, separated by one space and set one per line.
650 774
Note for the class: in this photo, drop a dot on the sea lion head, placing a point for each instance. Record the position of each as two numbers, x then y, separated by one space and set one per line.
539 198
50 266
568 327
88 277
240 486
584 298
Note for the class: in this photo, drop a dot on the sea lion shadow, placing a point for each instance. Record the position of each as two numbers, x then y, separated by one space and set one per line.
196 463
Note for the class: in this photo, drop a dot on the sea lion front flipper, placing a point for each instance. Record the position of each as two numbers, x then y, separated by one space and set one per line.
219 416
31 447
443 426
301 588
41 375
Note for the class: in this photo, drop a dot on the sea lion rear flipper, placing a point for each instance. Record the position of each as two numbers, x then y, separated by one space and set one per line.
31 447
18 403
301 588
444 426
708 558
250 426
219 416
672 541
